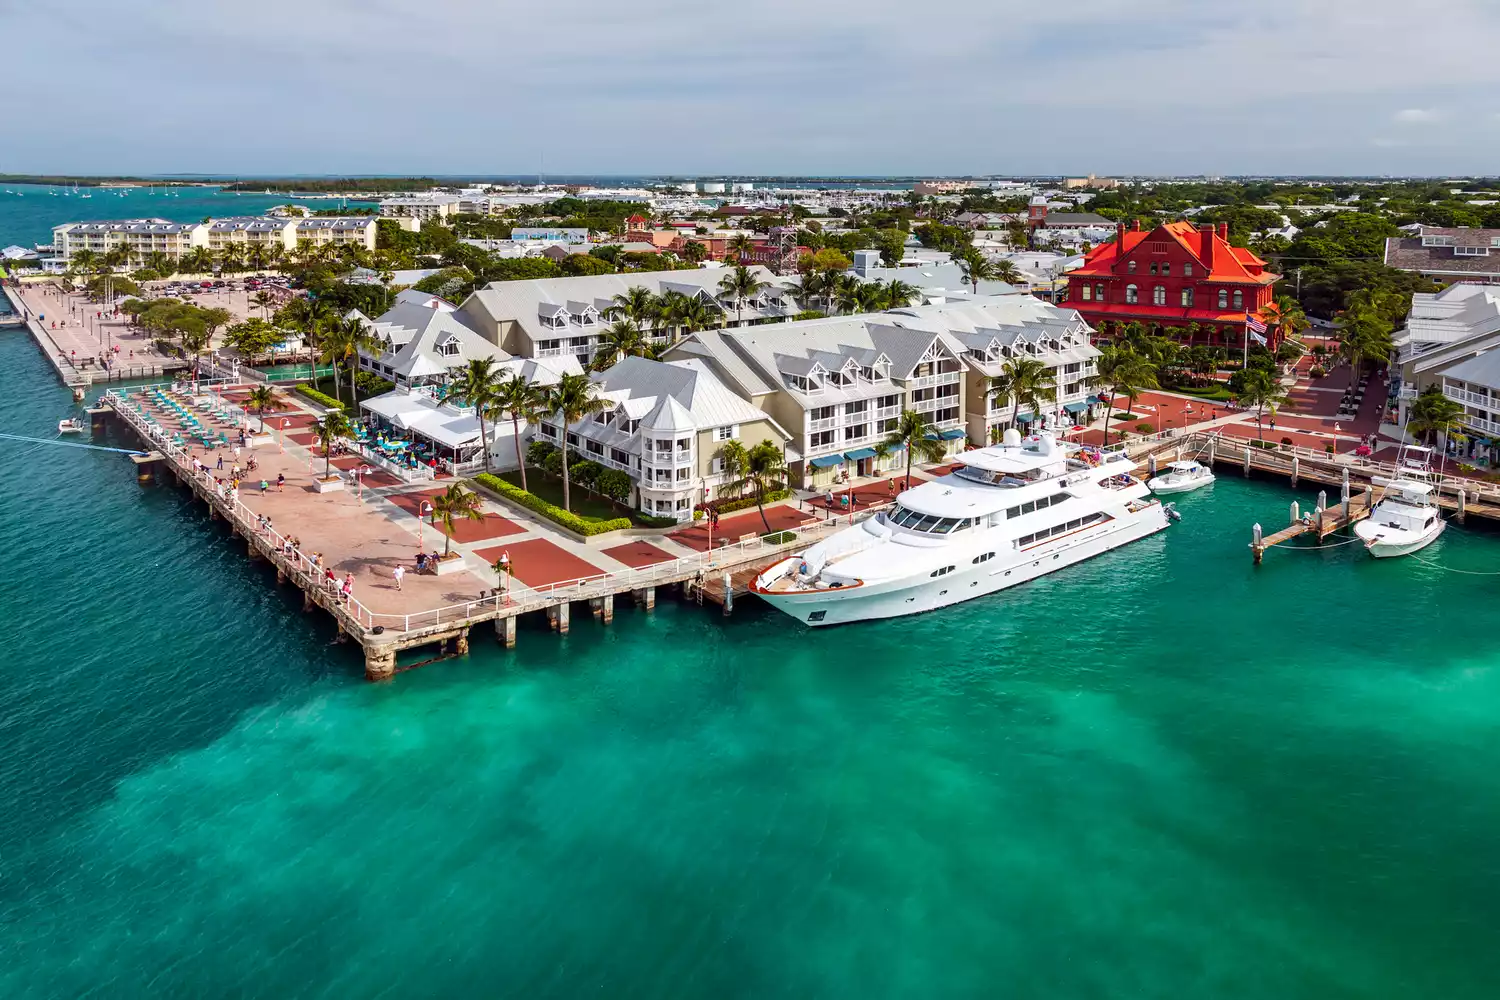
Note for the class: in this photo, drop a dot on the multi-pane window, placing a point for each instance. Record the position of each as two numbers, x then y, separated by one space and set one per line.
1132 294
1187 296
1239 299
1223 298
1159 295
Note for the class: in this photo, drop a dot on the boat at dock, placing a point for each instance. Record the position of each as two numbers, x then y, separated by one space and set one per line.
1008 514
1181 477
70 425
1406 519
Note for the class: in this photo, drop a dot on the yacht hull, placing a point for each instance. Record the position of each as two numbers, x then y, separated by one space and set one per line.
1163 487
914 595
1404 545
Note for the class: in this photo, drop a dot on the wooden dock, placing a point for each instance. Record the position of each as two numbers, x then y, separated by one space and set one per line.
1321 523
719 575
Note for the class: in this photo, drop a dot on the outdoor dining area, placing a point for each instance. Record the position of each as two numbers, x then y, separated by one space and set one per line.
408 429
185 418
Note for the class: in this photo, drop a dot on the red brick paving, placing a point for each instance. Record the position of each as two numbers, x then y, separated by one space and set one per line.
537 562
493 525
638 553
731 528
375 477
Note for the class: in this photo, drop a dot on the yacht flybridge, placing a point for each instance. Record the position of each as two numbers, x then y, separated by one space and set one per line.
1407 517
1009 514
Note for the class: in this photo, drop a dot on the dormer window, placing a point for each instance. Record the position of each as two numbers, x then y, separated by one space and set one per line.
1130 267
1471 251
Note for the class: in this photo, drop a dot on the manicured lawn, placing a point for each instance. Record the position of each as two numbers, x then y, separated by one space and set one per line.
589 506
345 395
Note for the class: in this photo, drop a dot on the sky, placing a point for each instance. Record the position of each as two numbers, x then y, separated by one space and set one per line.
796 87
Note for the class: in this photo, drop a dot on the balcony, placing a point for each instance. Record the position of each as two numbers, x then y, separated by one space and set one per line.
886 412
826 424
1491 427
949 424
921 382
1477 398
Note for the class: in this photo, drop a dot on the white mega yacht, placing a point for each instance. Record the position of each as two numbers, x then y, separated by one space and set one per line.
1009 514
1407 518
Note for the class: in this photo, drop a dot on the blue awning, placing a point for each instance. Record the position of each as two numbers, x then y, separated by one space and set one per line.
1076 407
859 453
824 461
1097 400
954 434
1025 418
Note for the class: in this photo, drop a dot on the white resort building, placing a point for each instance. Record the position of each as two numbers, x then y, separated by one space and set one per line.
554 317
665 427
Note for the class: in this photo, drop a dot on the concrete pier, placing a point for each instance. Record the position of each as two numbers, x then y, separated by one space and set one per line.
380 662
505 631
608 608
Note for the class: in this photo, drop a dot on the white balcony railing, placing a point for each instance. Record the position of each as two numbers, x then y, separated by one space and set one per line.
925 405
948 424
826 424
886 412
1464 396
942 378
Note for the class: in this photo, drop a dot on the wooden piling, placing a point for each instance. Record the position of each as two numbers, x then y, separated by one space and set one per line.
505 630
607 606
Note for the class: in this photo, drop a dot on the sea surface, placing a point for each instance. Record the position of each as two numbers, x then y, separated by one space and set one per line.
29 211
1161 774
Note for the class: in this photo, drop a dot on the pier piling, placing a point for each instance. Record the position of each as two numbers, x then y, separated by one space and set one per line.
1296 472
380 663
1462 505
562 618
607 606
505 630
1247 461
728 593
461 643
1257 549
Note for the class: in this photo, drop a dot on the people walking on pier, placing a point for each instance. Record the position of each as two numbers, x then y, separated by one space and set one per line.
397 574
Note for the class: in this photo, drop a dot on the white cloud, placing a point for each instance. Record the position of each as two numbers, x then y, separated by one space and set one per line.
594 86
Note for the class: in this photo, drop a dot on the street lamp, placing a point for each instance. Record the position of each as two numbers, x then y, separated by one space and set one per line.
281 440
423 509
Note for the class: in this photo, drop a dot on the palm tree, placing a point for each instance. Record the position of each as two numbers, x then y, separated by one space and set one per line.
870 296
573 398
477 384
1290 316
1006 271
899 294
1025 380
739 247
917 436
1261 388
621 339
333 426
636 304
196 261
764 469
696 315
84 261
976 268
1433 413
264 300
262 398
195 340
1122 372
456 503
741 284
340 342
520 399
666 312
735 459
843 292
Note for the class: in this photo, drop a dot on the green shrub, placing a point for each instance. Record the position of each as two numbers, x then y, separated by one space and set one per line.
653 521
1263 444
1144 428
743 503
552 512
371 384
584 472
537 452
552 464
781 538
320 398
614 484
1316 372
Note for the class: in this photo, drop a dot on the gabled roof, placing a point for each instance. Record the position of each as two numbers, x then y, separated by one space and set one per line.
1230 263
1482 370
689 383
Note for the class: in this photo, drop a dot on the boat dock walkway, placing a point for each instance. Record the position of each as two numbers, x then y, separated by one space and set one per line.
73 374
718 574
1321 523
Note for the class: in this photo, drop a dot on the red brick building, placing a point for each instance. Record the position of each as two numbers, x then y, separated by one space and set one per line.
1175 275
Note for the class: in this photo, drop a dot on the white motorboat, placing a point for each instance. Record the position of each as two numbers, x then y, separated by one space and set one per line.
70 425
1406 519
1010 513
1181 476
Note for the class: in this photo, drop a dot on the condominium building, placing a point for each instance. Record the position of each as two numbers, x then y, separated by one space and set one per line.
551 317
251 231
666 427
358 230
422 207
552 234
1444 331
142 236
839 384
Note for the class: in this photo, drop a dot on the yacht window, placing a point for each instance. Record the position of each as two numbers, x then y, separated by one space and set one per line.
1013 512
1029 507
927 523
1027 539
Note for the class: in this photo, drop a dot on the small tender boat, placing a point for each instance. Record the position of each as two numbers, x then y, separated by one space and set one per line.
69 426
1181 477
1406 519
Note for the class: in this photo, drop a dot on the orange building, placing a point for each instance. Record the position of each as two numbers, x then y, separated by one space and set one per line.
1176 275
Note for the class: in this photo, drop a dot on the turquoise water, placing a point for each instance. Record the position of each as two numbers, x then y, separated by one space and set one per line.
1159 774
27 218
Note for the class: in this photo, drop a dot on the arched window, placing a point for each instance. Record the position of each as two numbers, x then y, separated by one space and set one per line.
1223 298
1187 270
1130 266
1099 292
1159 295
1187 297
1131 294
1088 293
1239 299
1166 268
1153 267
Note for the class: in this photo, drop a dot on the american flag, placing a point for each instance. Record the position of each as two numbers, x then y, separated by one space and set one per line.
1254 324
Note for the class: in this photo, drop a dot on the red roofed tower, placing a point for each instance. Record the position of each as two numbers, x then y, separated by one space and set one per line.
1175 276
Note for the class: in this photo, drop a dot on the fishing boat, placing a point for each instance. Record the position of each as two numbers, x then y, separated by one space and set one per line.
1008 514
1407 518
70 425
1181 476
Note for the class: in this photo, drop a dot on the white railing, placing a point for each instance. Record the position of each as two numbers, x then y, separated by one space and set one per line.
923 405
942 378
1480 424
1463 396
825 424
407 474
886 412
